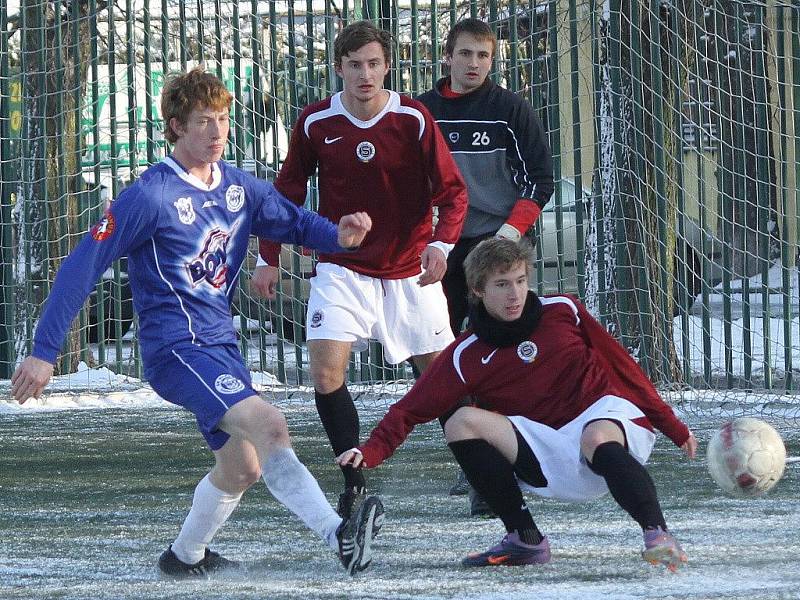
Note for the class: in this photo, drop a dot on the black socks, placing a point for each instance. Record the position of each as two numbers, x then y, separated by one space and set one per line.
629 483
492 476
340 419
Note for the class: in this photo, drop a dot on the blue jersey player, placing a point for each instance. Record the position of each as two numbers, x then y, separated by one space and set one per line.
184 226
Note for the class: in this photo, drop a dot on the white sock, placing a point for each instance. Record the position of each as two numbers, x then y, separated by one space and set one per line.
211 507
295 487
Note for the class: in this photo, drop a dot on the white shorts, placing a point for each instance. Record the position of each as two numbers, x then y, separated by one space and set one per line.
407 319
568 476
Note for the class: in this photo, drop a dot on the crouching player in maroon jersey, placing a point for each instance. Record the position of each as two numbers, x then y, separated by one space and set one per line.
567 413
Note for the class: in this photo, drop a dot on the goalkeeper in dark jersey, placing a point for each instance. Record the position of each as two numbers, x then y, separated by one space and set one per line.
501 148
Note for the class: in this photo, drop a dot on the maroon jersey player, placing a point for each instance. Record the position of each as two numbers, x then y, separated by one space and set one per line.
563 410
374 149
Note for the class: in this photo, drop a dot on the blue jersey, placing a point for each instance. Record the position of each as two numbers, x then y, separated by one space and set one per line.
185 241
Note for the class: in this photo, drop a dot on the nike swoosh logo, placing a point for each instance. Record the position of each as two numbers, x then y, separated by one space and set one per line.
331 140
440 331
485 360
498 560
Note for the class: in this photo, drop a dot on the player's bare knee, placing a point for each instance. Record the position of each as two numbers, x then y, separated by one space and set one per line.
263 424
463 424
597 433
236 476
326 379
274 426
250 475
244 477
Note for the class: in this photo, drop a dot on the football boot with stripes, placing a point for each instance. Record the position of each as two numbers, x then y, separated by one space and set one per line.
212 562
355 534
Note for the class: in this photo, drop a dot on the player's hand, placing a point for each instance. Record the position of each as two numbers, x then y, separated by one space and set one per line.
434 265
509 232
353 229
264 281
30 378
352 457
690 446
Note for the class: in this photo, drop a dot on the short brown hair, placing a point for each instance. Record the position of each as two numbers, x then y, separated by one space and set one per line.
184 92
476 28
356 36
494 255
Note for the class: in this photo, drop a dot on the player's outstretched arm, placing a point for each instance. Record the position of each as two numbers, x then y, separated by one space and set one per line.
353 229
690 446
30 379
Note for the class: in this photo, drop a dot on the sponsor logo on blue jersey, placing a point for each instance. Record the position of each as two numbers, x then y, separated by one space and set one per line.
104 229
210 265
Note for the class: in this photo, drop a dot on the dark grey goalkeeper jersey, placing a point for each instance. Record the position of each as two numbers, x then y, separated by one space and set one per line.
500 147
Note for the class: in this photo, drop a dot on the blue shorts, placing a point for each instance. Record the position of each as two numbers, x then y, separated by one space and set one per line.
207 381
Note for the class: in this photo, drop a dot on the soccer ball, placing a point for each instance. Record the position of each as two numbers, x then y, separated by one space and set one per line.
746 457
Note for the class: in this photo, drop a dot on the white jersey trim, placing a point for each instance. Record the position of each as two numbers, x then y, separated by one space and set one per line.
562 300
320 115
477 151
200 379
216 175
172 288
443 246
457 354
232 284
337 108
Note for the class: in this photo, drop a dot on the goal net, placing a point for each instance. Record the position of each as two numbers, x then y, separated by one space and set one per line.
672 127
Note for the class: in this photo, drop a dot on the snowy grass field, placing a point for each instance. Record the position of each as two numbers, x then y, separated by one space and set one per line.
90 497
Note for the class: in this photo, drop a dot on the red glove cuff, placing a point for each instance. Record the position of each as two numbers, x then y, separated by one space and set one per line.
524 214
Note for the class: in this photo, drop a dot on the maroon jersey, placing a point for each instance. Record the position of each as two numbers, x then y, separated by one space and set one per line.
396 167
567 363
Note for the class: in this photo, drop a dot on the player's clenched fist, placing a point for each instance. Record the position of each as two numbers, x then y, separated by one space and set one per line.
353 228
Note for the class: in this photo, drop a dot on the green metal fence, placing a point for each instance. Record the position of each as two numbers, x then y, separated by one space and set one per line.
672 127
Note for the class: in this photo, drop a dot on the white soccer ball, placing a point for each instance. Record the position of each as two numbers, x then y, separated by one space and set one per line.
746 457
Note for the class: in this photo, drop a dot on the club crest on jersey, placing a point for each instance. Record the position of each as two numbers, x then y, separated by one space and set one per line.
365 151
234 198
316 319
210 265
527 351
185 210
453 136
228 384
104 227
